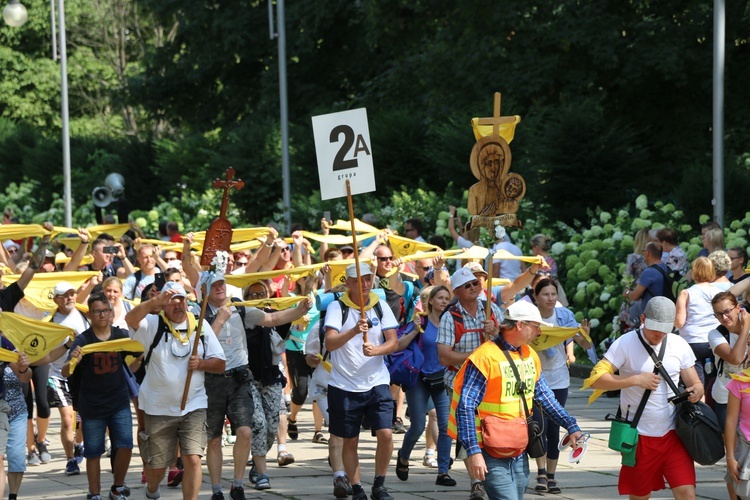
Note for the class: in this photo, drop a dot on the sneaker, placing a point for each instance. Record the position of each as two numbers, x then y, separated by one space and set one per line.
33 458
237 493
72 469
117 495
263 482
341 487
430 461
477 492
44 455
380 493
285 458
174 478
398 426
359 496
78 453
292 430
217 496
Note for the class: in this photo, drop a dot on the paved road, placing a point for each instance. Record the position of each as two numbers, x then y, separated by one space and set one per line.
310 478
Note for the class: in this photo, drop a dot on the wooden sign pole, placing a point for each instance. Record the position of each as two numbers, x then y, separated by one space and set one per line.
218 237
356 254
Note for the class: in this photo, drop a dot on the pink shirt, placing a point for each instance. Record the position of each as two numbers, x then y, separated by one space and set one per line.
735 387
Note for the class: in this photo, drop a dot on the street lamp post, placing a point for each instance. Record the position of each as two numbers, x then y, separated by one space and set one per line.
15 15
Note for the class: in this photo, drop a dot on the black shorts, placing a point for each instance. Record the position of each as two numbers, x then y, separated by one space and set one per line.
58 393
346 409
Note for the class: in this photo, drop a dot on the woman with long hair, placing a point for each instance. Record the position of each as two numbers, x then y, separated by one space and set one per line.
729 343
429 386
555 361
634 266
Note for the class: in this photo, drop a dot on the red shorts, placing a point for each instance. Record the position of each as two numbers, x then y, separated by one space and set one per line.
656 459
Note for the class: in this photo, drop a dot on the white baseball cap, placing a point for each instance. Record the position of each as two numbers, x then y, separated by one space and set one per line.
525 311
364 270
461 277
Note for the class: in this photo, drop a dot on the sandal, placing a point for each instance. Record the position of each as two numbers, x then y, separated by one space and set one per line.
541 483
263 482
292 430
285 458
402 469
319 438
552 487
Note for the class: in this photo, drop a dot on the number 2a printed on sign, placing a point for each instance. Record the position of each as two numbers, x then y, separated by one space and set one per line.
344 153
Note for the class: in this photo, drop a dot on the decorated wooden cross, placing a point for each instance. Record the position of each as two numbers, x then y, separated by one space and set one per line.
496 120
219 234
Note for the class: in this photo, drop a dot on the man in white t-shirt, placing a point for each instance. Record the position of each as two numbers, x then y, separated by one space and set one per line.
160 395
659 454
360 382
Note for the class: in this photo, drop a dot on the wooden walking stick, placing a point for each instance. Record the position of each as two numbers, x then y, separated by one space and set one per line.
356 254
218 238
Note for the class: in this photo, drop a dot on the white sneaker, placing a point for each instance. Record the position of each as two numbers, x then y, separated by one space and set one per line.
430 461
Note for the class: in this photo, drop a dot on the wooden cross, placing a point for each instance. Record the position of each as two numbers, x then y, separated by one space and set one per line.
219 234
496 119
227 185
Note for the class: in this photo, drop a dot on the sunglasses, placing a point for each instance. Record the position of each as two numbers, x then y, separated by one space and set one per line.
285 249
470 284
385 259
425 268
257 295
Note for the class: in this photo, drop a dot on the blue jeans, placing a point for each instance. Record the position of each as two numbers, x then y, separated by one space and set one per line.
120 426
417 398
507 477
702 351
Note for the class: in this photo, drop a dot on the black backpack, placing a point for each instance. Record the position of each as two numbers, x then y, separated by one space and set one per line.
670 280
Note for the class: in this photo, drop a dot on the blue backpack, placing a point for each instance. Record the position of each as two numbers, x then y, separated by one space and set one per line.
405 366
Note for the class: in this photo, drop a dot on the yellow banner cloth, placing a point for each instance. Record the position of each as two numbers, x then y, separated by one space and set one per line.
336 239
743 376
553 335
295 273
599 369
278 303
359 226
406 246
506 130
326 364
40 290
8 356
119 345
61 258
33 337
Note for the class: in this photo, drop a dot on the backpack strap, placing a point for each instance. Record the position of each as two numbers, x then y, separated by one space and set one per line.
160 331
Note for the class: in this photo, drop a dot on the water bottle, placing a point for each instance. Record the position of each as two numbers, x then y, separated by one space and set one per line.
708 366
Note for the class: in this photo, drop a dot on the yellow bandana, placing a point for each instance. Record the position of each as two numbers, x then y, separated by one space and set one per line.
182 337
600 369
33 337
553 335
348 301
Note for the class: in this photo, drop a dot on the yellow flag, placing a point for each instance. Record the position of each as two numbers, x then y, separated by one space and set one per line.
405 246
473 253
336 239
114 230
20 231
168 245
278 303
32 337
295 273
359 226
40 290
338 269
531 259
8 356
600 369
62 259
245 245
326 364
506 130
119 345
553 335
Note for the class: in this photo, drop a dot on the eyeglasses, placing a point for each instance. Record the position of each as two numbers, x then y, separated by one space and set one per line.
385 259
257 295
536 326
725 313
100 312
735 258
470 284
425 268
285 249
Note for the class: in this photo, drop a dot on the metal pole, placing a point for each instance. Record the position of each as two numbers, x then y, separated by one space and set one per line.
54 33
281 30
65 115
718 110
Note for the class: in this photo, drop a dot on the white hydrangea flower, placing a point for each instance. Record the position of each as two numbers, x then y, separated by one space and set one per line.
617 236
604 297
594 323
557 248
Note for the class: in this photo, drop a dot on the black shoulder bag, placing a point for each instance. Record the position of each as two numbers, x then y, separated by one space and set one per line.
535 448
695 423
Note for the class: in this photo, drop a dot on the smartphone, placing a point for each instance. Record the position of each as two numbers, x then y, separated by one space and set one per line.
327 216
111 249
159 281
